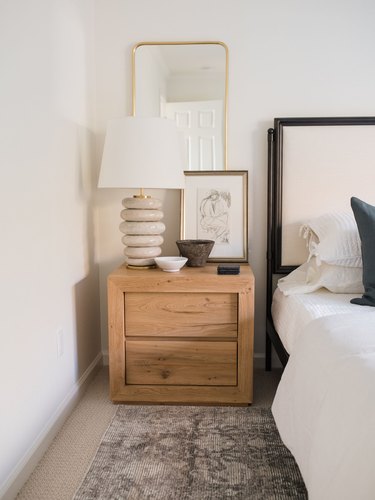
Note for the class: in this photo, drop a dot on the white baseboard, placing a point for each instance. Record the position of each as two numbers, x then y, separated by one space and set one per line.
21 472
105 358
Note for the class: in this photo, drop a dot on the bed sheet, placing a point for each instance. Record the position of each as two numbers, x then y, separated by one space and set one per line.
324 406
292 313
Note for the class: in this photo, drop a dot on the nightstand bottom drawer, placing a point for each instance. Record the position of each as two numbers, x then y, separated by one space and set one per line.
181 363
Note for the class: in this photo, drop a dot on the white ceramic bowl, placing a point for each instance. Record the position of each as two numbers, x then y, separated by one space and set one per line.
170 264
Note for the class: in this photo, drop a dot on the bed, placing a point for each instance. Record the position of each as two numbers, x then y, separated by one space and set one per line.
317 267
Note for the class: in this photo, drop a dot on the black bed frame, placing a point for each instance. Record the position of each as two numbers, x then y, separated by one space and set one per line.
274 216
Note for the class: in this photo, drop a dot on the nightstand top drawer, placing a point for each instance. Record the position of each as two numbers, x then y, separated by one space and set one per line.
181 314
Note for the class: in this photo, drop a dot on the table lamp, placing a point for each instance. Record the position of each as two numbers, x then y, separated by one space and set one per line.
142 153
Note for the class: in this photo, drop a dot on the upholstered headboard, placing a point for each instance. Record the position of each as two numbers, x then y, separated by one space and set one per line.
318 164
315 165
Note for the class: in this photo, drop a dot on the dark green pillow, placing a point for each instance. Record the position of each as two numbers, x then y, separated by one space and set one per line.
365 218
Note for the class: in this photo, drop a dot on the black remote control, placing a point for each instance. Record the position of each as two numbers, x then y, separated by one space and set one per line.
228 269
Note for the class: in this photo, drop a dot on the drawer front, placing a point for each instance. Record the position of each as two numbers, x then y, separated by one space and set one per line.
181 314
181 363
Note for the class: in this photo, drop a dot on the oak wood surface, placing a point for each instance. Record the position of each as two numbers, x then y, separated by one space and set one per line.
180 313
181 363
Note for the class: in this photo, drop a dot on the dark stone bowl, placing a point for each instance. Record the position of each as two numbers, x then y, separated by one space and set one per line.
197 251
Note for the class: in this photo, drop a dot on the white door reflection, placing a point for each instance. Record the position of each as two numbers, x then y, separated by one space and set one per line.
200 123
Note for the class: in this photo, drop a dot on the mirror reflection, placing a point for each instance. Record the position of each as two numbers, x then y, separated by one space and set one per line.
186 82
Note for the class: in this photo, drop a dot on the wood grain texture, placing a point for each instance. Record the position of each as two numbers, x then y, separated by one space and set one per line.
181 363
181 314
157 323
116 337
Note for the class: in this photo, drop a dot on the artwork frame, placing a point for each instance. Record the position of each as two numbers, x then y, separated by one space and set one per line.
214 205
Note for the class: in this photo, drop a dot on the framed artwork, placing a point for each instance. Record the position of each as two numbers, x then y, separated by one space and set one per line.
214 207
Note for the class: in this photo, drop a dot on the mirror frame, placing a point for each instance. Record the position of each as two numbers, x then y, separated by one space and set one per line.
225 119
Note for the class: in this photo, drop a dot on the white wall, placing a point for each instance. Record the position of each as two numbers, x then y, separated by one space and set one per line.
289 58
286 58
49 277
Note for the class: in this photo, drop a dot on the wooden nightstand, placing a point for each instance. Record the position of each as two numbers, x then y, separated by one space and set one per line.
184 337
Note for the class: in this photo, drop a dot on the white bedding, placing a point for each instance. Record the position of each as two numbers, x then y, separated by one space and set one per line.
292 313
324 407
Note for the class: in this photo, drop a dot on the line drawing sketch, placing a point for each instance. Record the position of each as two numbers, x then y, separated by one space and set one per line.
214 215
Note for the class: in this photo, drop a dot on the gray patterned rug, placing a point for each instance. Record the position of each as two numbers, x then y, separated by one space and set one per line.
195 453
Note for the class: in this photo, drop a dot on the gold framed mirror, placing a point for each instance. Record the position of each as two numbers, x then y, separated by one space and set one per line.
188 82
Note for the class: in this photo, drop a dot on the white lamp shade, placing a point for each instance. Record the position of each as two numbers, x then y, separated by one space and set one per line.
142 152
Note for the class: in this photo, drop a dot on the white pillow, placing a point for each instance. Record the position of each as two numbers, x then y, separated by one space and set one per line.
333 238
312 275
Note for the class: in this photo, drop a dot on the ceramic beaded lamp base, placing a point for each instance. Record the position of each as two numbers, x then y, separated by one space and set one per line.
142 228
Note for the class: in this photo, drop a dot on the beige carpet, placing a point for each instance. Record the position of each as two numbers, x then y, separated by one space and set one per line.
66 462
